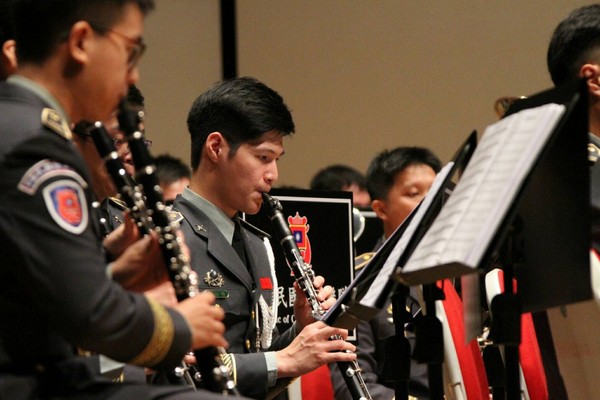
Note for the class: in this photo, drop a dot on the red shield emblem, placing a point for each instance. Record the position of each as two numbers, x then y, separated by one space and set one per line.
65 201
299 229
68 205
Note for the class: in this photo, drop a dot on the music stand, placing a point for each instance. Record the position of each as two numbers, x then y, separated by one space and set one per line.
350 308
542 235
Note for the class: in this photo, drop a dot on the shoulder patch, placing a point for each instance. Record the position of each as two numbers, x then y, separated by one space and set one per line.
362 260
248 226
66 203
44 170
52 120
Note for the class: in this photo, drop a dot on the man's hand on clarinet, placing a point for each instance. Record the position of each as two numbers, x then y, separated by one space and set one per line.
313 348
302 309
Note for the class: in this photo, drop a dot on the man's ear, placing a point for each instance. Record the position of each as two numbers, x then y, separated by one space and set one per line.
378 207
591 72
214 146
9 56
79 42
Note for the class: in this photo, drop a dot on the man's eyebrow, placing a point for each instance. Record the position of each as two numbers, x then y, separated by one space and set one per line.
269 150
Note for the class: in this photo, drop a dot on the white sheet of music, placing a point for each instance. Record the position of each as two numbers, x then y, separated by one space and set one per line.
389 265
466 224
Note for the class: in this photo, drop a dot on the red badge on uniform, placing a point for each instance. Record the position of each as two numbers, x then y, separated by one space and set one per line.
65 201
266 283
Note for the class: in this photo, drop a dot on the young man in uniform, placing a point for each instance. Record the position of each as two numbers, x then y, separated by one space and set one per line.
237 129
397 181
76 60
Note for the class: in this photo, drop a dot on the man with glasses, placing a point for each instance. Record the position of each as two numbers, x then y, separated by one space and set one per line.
55 293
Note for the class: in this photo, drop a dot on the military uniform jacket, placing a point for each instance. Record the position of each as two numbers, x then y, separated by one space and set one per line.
238 291
54 292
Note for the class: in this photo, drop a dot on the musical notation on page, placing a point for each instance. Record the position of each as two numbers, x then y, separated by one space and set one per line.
461 233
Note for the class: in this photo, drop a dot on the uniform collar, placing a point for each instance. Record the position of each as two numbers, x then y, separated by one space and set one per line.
214 213
41 92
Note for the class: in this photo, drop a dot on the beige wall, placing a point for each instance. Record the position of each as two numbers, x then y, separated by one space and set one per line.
360 76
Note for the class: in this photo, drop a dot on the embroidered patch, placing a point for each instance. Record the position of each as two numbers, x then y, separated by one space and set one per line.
65 201
266 284
44 170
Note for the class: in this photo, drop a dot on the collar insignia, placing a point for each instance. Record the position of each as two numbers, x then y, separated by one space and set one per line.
200 228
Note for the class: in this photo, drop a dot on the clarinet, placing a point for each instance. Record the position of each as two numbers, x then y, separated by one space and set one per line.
130 192
213 372
135 205
304 276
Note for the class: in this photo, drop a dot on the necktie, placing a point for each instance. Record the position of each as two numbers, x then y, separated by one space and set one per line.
237 243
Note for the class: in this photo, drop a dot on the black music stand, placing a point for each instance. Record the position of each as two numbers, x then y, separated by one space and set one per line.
349 309
543 238
546 248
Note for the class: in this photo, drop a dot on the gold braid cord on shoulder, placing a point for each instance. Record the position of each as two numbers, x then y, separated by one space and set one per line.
161 340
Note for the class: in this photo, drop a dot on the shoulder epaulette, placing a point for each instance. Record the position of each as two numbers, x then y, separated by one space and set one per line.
173 214
255 230
362 260
593 148
52 120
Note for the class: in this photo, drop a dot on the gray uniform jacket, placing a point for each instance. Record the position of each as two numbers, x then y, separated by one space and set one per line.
55 295
238 290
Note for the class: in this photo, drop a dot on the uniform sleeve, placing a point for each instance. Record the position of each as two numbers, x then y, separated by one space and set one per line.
56 262
250 374
251 370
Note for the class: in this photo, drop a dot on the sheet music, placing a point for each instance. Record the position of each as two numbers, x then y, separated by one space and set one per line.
469 219
389 266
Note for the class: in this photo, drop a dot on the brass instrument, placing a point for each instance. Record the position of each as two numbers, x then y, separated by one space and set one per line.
502 104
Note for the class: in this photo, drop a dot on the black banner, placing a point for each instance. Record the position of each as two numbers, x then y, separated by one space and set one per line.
321 222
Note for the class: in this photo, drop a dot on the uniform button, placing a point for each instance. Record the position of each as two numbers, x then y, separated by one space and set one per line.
248 344
252 315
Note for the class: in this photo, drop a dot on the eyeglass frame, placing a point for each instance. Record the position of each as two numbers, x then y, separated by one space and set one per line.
138 47
119 143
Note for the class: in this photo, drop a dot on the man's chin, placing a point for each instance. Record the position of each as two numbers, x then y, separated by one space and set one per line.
255 208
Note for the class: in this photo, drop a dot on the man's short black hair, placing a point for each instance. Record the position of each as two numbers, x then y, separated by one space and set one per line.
7 25
388 164
241 109
40 25
576 41
337 177
170 169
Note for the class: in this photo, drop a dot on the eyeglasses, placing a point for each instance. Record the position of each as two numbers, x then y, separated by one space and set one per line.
120 143
137 46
